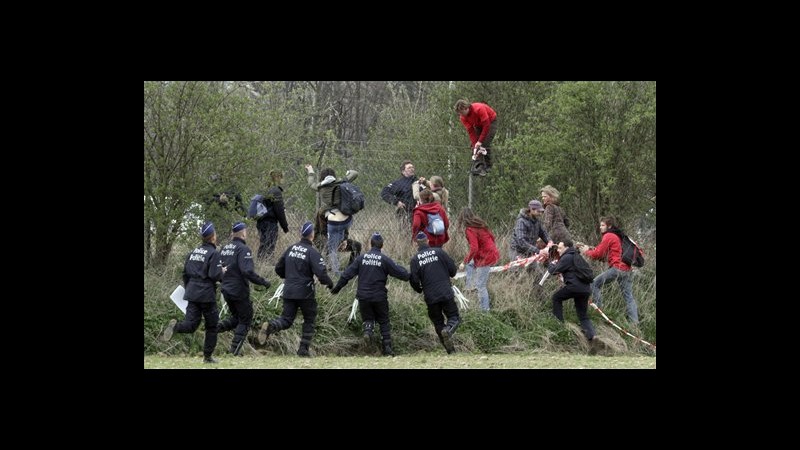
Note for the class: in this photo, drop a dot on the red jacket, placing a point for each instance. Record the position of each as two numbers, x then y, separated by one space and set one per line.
609 246
481 247
421 222
480 115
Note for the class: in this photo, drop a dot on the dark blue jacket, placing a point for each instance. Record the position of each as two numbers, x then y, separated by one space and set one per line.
298 265
566 267
238 259
400 190
202 270
373 269
277 211
431 270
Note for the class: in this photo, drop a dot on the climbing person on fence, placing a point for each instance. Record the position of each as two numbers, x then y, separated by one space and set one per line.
431 270
480 120
373 270
201 272
610 249
330 199
238 260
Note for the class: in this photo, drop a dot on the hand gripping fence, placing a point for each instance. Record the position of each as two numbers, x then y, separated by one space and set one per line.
525 262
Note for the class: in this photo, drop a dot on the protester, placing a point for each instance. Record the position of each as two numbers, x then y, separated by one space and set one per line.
399 193
268 225
480 121
574 287
610 248
482 254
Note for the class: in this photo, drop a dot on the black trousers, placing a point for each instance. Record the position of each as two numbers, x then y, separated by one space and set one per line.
487 144
449 309
189 324
377 311
268 236
581 306
240 320
286 319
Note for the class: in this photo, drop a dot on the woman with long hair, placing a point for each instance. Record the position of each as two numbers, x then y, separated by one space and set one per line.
482 254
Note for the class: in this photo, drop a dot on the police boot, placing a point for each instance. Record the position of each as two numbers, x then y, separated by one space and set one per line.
447 341
303 351
387 347
267 328
369 331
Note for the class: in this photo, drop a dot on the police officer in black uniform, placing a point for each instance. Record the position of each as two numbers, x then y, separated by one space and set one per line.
202 270
238 260
298 265
431 270
373 269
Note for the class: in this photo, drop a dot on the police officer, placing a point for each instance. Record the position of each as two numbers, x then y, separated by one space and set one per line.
373 269
203 268
238 259
298 265
431 270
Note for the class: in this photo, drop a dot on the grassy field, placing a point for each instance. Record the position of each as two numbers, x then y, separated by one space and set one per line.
525 360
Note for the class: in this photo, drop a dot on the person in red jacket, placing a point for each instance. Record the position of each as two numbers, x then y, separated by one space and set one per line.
480 121
425 220
610 248
482 254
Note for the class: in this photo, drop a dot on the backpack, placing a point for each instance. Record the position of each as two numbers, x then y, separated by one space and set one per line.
582 268
258 207
435 224
351 199
631 253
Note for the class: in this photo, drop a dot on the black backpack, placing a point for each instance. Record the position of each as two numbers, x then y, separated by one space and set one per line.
631 253
351 199
582 268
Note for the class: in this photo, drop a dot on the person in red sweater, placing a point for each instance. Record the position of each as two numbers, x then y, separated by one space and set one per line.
610 248
480 121
482 254
422 221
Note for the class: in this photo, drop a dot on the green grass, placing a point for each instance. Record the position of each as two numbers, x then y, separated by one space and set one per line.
422 360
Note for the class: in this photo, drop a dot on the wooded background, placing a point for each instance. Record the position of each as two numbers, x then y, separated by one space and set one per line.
594 141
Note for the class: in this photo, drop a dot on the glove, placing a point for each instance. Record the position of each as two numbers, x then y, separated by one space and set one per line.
259 288
330 285
285 230
335 290
461 266
268 285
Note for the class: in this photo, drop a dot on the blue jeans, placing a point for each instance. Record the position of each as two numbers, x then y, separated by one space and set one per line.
335 237
479 278
625 280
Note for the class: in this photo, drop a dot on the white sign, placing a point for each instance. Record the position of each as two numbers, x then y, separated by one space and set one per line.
177 298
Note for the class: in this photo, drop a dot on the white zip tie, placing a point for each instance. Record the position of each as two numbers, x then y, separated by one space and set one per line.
276 296
353 311
463 302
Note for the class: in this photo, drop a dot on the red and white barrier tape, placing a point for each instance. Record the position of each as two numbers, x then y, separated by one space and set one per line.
617 326
525 262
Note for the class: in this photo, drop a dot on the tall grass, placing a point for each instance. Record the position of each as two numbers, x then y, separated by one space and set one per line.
520 319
